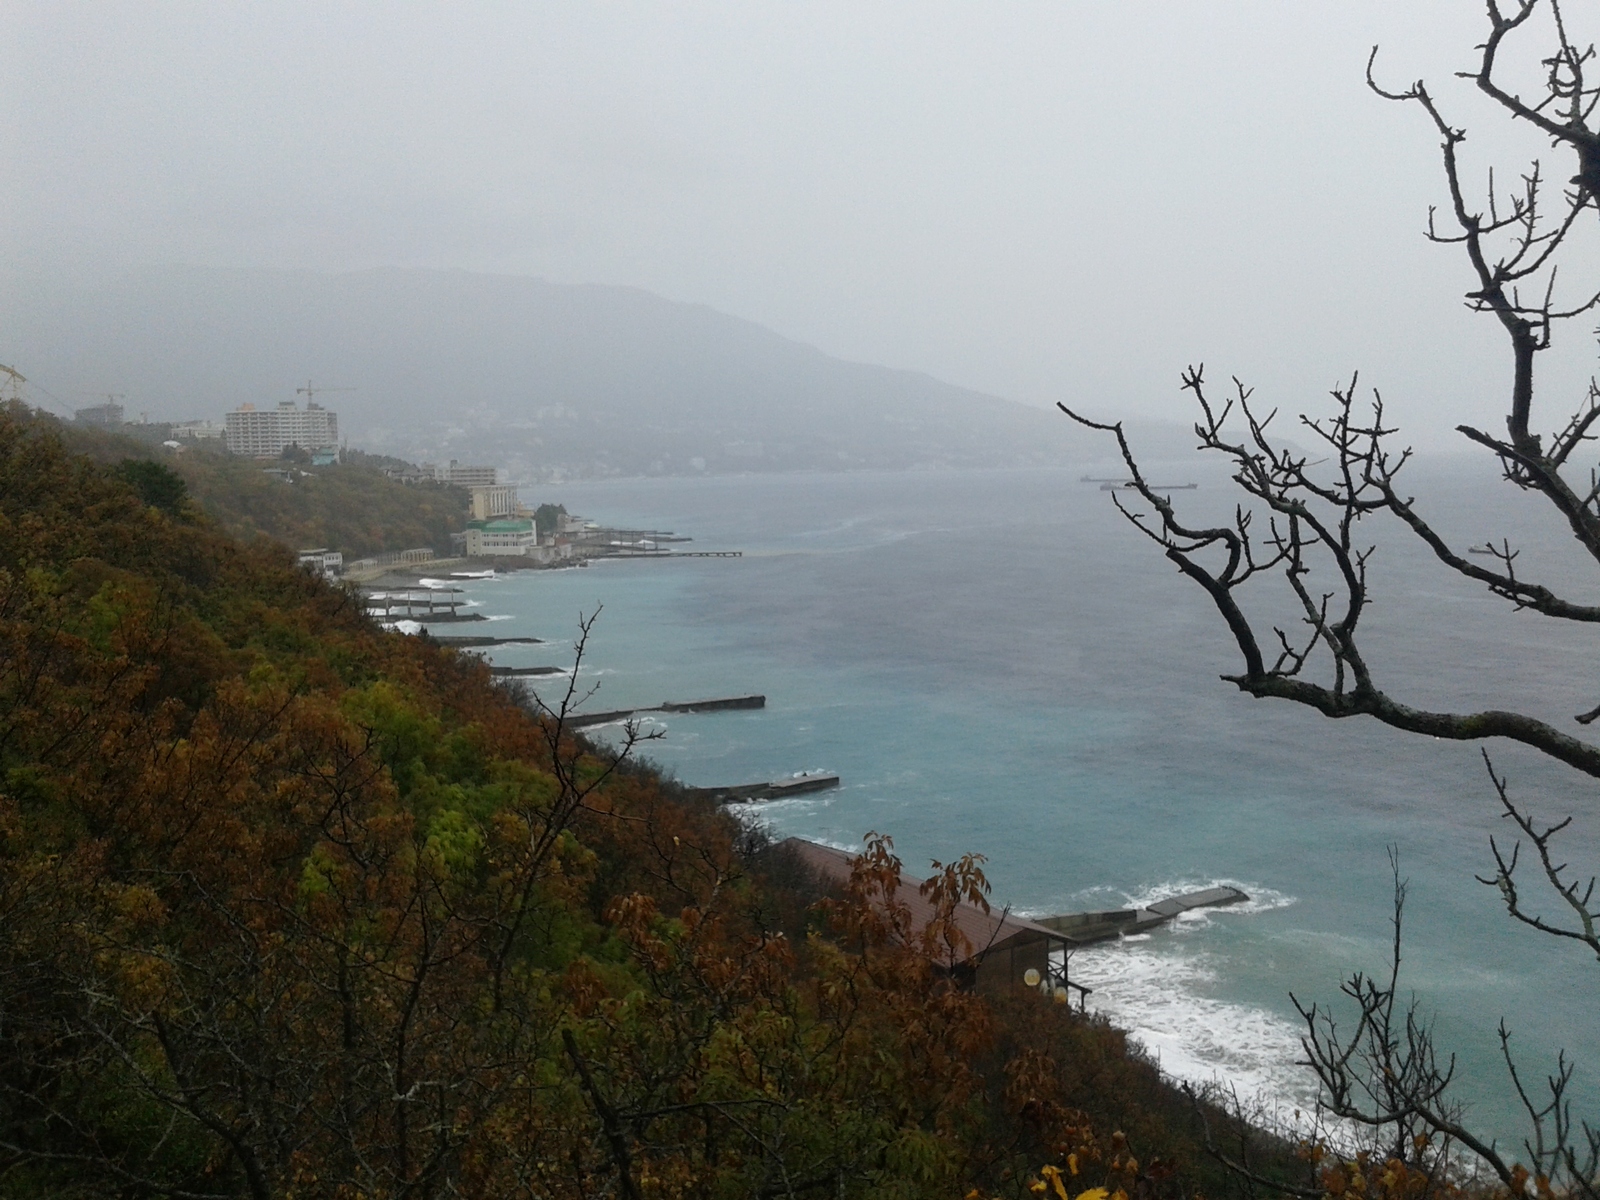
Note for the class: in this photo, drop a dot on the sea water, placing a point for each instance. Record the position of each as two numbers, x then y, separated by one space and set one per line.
998 662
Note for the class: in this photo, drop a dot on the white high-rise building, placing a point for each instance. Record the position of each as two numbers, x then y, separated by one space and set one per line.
266 432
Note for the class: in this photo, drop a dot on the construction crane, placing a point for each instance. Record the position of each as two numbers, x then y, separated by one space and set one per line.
311 392
11 385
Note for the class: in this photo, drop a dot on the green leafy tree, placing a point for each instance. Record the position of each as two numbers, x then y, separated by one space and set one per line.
158 486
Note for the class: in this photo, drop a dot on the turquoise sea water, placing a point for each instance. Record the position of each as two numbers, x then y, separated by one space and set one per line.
996 662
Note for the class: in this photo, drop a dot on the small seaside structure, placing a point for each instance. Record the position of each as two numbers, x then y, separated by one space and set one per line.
322 561
504 536
1004 948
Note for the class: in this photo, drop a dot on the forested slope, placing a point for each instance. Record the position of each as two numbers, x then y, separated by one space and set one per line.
352 507
293 907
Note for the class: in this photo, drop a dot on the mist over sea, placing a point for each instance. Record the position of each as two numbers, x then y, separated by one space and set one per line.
995 661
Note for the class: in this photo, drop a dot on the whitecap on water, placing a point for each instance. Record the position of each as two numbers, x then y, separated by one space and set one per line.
1160 997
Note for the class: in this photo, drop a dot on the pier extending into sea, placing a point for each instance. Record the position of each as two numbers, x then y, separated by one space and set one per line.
584 720
1085 928
777 789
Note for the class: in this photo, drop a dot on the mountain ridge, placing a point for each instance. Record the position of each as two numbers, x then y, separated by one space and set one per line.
550 380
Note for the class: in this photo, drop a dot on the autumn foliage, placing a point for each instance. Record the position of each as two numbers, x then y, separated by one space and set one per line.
351 506
292 907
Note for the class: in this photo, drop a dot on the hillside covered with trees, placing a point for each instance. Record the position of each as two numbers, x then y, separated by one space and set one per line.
350 506
290 906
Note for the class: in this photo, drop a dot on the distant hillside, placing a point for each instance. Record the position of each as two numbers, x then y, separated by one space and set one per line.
352 507
553 381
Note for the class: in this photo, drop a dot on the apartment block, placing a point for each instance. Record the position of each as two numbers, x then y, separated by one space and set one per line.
500 500
463 474
101 416
267 432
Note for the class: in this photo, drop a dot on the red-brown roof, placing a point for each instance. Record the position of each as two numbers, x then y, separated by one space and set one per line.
986 931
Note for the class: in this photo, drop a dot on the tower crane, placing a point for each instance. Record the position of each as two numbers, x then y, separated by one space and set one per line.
311 392
11 387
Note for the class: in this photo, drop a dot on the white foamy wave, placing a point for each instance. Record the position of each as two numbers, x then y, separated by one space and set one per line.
605 726
1159 997
499 617
763 811
789 804
847 847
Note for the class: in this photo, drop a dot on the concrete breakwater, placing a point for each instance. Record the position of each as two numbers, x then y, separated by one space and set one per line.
515 671
678 554
467 640
1112 486
583 720
1080 929
715 705
777 789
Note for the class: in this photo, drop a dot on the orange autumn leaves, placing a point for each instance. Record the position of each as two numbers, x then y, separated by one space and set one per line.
289 906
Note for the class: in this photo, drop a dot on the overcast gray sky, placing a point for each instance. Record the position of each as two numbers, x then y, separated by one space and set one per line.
1042 200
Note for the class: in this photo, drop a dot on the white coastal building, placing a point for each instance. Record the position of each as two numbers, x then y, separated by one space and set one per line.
322 561
513 536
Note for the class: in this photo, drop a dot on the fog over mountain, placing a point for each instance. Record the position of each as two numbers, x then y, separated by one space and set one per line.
549 380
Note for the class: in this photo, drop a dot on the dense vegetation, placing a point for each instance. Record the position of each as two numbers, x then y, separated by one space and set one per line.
293 907
351 506
545 517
